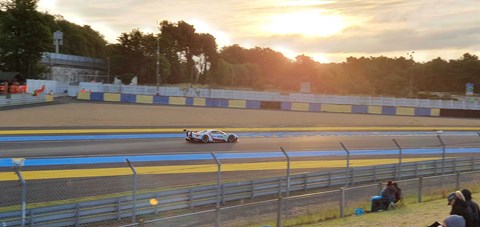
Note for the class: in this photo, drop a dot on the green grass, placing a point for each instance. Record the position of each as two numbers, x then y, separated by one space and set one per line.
411 215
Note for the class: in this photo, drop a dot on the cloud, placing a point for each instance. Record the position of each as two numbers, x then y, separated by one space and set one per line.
373 27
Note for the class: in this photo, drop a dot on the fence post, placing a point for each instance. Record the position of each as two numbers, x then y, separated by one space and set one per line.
347 171
342 202
279 212
219 180
399 159
24 192
443 153
134 191
288 171
420 189
458 181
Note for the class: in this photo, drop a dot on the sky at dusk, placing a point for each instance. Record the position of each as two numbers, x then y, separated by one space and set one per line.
327 30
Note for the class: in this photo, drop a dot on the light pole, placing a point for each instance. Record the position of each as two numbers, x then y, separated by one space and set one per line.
410 54
158 58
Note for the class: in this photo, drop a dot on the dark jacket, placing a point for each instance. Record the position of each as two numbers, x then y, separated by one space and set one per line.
461 208
388 194
475 212
473 206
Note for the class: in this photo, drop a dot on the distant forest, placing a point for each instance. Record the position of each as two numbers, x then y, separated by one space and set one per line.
186 56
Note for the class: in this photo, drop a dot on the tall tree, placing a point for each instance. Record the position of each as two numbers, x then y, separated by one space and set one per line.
24 36
135 55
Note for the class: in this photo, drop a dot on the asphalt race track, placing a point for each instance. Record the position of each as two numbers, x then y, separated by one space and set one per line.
70 114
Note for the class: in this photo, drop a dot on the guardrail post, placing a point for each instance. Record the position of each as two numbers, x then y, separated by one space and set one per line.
190 197
305 181
399 159
443 153
118 208
329 179
420 189
342 202
77 214
458 181
347 170
416 169
473 163
134 191
219 180
454 165
252 187
24 193
288 171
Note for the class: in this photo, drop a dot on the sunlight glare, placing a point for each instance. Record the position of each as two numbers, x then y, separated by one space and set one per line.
286 52
221 38
310 23
47 4
306 2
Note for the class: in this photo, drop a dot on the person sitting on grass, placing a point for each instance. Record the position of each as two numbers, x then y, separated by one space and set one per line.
388 195
460 207
473 205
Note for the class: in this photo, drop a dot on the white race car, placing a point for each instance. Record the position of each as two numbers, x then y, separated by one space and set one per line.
210 136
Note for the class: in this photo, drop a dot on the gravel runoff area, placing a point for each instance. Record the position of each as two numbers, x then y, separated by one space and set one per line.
69 112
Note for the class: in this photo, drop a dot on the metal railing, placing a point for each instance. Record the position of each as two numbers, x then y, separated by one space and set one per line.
133 203
314 207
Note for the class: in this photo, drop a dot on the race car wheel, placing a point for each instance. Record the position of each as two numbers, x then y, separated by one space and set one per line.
231 138
205 139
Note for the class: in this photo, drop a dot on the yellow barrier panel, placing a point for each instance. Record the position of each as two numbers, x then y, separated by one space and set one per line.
434 112
375 109
176 100
148 99
49 98
300 106
200 168
336 108
237 103
111 97
199 101
410 111
83 95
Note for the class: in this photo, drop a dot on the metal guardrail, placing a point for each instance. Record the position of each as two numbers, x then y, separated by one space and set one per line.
130 206
317 206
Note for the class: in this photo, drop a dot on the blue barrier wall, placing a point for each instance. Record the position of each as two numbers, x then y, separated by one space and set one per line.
255 104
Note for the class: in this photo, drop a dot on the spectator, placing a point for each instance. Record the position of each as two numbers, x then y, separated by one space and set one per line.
473 205
398 192
454 221
460 207
451 221
388 194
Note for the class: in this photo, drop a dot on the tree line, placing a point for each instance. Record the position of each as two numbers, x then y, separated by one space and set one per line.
186 56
